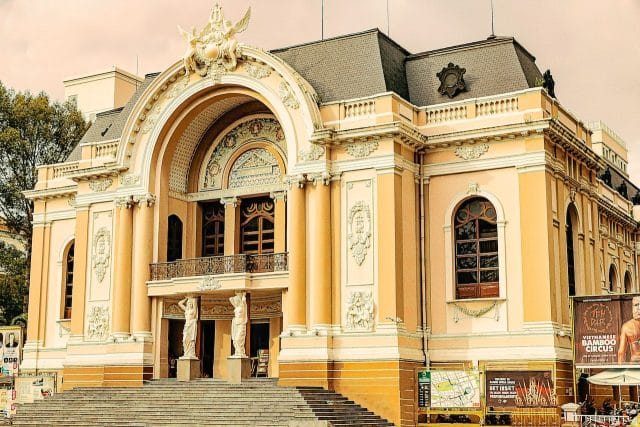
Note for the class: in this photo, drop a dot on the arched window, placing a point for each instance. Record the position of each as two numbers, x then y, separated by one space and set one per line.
571 240
613 278
628 284
476 250
68 282
174 238
212 229
257 226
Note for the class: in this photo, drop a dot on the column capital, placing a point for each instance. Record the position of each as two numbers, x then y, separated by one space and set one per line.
147 199
230 201
295 180
125 202
323 177
278 195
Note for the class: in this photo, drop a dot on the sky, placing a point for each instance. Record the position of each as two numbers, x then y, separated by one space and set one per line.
592 47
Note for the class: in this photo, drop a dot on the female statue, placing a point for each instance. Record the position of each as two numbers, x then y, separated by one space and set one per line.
239 323
190 307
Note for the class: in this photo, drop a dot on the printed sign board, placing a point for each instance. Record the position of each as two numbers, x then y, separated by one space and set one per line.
520 389
607 330
424 389
10 348
455 389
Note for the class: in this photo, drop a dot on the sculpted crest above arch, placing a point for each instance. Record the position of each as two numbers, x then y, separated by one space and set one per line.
215 61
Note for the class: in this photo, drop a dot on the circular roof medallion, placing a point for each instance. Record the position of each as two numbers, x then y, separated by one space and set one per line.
451 80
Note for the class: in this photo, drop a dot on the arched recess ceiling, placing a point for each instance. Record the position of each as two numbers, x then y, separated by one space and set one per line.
191 137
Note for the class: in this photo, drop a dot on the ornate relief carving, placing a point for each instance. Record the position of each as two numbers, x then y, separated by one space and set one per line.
129 179
173 310
64 328
252 130
217 310
98 323
209 284
101 253
470 152
473 188
150 119
359 231
314 152
360 311
124 202
178 87
257 70
295 180
361 149
266 308
288 97
71 201
255 167
461 309
215 45
100 185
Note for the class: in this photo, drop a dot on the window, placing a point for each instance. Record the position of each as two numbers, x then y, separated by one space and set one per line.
174 238
476 250
212 229
68 283
628 286
257 226
613 280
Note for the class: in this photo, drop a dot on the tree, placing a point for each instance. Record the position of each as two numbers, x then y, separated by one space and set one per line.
33 131
13 282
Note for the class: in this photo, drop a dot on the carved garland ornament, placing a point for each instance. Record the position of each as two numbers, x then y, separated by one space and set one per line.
100 185
361 149
314 152
258 71
209 284
129 179
470 152
359 231
288 97
360 311
98 320
101 253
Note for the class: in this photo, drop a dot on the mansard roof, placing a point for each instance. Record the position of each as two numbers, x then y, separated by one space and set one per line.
370 63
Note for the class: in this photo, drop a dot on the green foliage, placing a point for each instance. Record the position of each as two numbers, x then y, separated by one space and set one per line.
33 131
13 282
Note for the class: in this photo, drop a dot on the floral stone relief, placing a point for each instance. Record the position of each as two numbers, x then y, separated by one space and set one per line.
359 235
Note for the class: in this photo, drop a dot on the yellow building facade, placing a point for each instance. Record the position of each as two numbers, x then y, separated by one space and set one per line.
376 223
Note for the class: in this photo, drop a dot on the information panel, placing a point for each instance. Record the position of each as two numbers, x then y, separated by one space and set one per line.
455 389
520 389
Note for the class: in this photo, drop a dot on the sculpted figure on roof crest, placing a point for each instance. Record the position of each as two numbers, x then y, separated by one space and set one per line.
215 44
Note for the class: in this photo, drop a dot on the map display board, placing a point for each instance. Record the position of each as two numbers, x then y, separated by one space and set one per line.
10 349
520 389
607 330
455 389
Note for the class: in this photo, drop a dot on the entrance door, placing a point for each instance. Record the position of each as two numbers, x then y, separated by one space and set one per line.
259 336
175 344
207 339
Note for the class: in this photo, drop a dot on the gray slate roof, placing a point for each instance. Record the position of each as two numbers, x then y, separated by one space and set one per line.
370 63
493 66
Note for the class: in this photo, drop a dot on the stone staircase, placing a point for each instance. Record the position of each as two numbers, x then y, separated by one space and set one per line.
204 402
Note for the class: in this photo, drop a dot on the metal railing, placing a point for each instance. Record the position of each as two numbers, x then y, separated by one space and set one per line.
206 266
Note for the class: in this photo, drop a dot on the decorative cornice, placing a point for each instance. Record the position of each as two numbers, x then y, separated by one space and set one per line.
51 193
407 134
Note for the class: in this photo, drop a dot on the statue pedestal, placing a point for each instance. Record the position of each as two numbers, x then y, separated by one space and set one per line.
188 369
239 369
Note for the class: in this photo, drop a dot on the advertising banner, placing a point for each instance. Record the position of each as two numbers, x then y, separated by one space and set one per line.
10 347
455 389
520 389
607 330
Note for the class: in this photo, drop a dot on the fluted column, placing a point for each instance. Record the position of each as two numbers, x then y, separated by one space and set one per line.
81 250
231 222
297 291
122 291
320 256
143 254
280 213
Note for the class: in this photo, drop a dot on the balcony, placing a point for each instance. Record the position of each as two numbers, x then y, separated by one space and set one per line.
264 263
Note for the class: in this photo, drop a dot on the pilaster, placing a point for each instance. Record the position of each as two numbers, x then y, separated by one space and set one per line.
81 250
320 256
280 209
297 235
143 246
231 221
122 290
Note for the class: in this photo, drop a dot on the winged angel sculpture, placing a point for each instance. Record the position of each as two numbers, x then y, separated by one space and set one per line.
215 44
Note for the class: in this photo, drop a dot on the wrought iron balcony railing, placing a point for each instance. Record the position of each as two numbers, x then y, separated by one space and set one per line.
219 265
